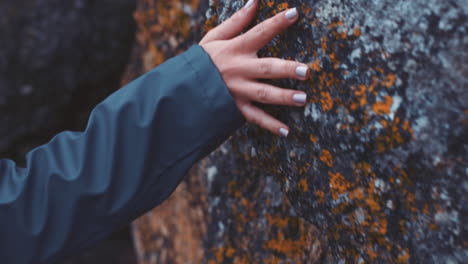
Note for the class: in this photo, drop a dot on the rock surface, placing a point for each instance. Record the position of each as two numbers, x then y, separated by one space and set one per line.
58 59
375 167
173 232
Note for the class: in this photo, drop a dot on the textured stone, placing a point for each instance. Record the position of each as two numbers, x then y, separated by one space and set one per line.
377 160
174 232
58 59
375 167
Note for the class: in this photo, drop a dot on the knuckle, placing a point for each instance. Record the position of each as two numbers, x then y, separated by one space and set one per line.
277 22
262 93
286 67
207 38
278 19
235 18
251 119
261 30
286 97
266 68
220 35
213 34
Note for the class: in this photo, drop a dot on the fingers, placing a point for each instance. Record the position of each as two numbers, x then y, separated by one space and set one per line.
234 25
236 59
269 94
274 68
264 32
259 117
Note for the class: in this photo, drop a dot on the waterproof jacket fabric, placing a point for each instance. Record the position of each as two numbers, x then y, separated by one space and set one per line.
137 146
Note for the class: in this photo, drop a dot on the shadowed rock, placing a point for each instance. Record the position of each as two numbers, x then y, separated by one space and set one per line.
58 59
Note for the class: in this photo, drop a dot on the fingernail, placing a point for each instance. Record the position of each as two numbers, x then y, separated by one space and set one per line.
300 98
302 71
249 4
284 132
291 13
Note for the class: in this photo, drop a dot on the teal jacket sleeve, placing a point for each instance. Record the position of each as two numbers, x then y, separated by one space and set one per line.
137 146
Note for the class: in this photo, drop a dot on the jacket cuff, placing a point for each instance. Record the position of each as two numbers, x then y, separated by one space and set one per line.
225 117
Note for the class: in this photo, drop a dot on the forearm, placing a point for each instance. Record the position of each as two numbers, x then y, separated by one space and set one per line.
136 148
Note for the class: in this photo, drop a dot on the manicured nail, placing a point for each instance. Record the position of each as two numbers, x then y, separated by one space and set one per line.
291 13
300 98
284 132
249 4
302 71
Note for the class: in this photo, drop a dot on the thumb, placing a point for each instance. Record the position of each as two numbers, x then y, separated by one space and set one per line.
232 27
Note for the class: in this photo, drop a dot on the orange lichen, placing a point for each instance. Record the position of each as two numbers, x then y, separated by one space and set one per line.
433 227
283 6
161 20
393 135
384 123
326 101
229 252
320 195
389 80
219 254
360 90
315 65
291 247
288 247
357 32
323 44
357 194
241 260
326 158
313 139
373 204
407 127
277 221
335 24
302 185
425 209
383 107
341 35
332 57
338 185
353 106
211 23
360 93
404 257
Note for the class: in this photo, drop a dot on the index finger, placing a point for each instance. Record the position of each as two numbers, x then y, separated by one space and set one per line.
234 25
263 33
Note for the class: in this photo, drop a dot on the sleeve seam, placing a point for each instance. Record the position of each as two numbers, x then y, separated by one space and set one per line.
197 75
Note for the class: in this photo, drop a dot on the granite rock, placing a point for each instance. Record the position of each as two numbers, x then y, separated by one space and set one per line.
174 232
375 167
377 160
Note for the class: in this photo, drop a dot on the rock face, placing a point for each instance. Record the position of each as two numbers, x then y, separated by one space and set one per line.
375 167
175 231
58 59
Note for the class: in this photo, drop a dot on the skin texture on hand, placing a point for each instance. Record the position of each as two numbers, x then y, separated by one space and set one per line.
236 58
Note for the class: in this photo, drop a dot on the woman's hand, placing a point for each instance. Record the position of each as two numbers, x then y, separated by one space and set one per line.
236 58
